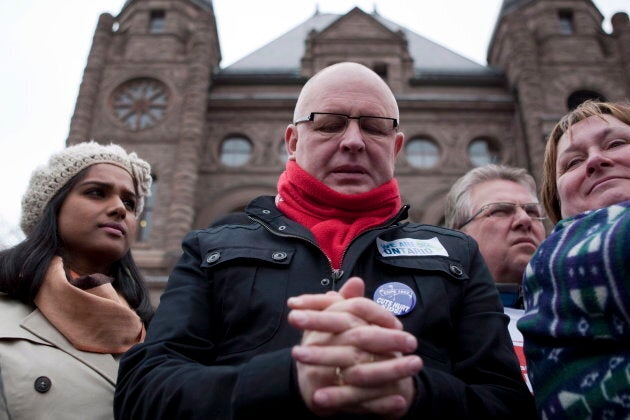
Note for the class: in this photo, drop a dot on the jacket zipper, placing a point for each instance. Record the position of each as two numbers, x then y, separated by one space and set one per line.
269 229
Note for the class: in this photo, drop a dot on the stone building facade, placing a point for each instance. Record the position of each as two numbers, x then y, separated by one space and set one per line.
214 136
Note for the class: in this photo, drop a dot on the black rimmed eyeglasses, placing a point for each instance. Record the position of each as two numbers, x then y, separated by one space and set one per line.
329 124
535 211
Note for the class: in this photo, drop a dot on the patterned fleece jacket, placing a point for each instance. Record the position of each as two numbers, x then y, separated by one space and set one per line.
576 326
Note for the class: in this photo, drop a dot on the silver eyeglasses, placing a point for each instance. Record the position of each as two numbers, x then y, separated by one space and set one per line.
535 211
329 124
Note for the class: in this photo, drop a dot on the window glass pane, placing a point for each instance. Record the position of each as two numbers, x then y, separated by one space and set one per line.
282 152
145 221
157 22
235 151
422 153
565 18
481 152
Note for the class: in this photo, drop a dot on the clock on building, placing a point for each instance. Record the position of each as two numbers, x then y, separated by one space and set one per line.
140 103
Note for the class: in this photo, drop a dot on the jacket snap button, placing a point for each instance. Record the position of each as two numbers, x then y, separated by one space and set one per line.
456 270
279 256
325 282
266 212
42 384
213 257
282 227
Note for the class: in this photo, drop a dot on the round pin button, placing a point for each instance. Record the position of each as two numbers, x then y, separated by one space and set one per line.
397 298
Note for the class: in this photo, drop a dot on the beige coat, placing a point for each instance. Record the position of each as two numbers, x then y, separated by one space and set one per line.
43 377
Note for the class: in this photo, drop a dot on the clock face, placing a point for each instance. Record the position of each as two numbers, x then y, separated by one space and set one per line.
140 103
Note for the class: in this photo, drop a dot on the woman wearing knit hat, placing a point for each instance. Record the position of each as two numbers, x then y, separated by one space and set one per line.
72 296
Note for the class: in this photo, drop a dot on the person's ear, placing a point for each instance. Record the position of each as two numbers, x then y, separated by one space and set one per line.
290 140
398 142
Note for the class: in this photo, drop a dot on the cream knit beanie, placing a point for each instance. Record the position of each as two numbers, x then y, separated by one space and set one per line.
64 165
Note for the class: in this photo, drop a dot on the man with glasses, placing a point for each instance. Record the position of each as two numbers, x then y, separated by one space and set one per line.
322 300
498 206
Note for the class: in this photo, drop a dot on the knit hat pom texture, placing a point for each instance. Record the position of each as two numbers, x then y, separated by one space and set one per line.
48 179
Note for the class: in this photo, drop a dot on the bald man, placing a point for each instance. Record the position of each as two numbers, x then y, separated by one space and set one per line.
323 301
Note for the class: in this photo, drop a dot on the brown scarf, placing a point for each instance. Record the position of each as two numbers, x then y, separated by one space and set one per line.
88 311
334 218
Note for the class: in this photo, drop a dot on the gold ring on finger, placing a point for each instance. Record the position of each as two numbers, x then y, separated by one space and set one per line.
339 374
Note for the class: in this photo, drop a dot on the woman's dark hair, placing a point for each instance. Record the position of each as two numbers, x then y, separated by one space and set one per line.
23 267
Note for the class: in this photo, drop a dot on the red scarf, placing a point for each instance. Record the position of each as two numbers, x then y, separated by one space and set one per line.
334 218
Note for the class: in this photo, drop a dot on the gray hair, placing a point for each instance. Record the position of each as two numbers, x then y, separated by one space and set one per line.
458 206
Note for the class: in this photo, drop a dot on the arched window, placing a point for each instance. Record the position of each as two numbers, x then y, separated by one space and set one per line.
282 152
576 98
157 21
235 151
381 69
565 20
422 153
145 220
482 151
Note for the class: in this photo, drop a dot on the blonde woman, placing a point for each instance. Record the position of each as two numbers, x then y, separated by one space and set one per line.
576 325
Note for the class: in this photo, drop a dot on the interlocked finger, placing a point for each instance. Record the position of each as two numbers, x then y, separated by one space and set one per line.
343 356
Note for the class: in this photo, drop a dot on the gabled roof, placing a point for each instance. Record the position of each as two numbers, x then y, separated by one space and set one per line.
283 54
431 56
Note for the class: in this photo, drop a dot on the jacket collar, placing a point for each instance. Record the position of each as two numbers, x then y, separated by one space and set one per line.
264 208
28 323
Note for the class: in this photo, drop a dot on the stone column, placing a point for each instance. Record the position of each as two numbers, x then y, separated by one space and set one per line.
621 33
185 174
81 122
523 73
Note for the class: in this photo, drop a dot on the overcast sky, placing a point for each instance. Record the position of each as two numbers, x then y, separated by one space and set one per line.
45 46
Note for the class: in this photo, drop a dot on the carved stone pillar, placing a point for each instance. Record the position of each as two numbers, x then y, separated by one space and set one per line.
81 122
182 211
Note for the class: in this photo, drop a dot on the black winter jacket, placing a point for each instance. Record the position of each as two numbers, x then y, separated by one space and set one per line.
219 344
